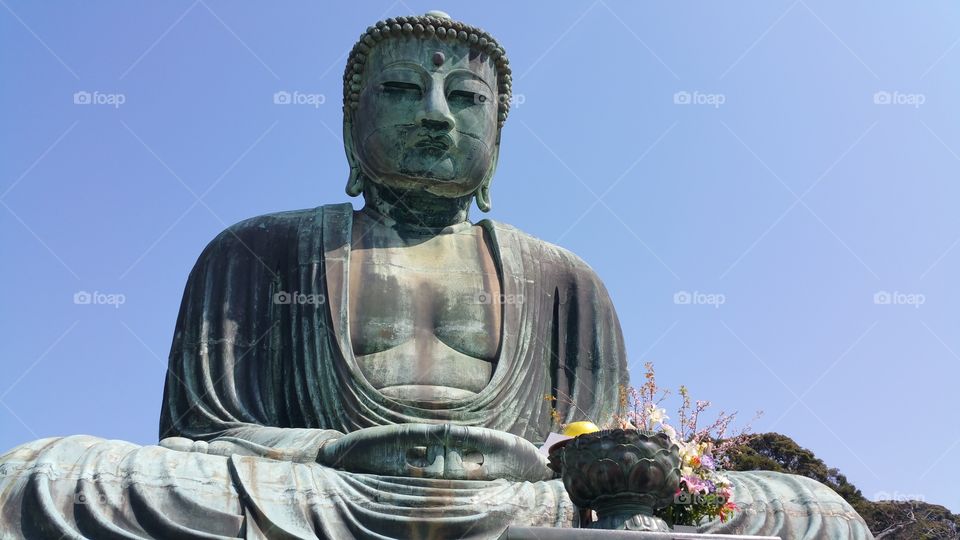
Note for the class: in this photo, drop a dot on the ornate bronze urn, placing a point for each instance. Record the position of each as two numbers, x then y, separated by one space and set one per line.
624 475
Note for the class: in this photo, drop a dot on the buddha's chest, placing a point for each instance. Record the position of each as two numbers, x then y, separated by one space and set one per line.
438 294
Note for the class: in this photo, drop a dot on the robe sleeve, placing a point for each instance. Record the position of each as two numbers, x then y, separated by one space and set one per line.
588 364
563 340
227 362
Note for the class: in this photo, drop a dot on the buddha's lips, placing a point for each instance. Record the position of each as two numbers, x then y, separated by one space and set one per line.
441 143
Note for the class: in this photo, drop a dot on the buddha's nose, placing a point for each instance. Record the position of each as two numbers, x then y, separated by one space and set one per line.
435 114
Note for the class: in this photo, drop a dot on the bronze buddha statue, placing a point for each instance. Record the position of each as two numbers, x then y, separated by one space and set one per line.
378 373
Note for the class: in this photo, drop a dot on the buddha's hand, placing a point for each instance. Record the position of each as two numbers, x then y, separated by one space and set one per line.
282 444
216 448
436 451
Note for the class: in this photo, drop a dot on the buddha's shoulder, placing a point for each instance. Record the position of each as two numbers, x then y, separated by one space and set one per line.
548 255
272 222
273 230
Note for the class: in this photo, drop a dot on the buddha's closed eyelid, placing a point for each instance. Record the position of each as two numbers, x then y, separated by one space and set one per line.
401 88
400 79
465 97
468 92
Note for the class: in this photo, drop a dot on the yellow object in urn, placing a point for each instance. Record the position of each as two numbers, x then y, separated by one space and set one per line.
574 429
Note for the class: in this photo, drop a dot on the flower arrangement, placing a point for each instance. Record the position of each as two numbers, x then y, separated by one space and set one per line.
705 493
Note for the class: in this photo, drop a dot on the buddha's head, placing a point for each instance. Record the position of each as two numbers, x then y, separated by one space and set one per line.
425 98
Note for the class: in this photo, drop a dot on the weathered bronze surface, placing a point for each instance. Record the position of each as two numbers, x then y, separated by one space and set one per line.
376 373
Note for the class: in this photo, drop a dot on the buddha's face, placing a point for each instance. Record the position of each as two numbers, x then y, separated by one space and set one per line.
427 117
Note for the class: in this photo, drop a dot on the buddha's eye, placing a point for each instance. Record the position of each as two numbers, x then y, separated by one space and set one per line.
401 89
465 98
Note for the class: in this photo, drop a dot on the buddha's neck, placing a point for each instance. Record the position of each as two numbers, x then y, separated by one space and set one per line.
416 208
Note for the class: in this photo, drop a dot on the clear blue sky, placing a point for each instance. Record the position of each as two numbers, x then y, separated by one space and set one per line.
791 158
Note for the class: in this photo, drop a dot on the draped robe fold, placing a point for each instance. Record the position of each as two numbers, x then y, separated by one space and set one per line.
240 360
256 385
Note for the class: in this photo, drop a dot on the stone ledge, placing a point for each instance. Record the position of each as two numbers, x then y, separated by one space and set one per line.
547 533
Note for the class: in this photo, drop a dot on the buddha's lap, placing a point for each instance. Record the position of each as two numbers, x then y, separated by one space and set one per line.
66 464
103 474
47 480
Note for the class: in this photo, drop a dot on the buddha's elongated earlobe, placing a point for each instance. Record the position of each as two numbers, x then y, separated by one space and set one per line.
483 192
483 198
355 180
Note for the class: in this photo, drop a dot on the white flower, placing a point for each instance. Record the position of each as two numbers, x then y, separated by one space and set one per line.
688 450
657 416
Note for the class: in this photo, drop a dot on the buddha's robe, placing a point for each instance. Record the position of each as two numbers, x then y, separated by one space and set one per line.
261 385
258 392
790 506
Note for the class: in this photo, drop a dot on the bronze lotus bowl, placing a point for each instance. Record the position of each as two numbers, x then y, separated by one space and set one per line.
625 475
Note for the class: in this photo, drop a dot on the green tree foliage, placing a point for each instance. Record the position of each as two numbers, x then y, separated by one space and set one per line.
888 520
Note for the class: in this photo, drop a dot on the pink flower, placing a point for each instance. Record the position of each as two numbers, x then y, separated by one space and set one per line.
694 484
